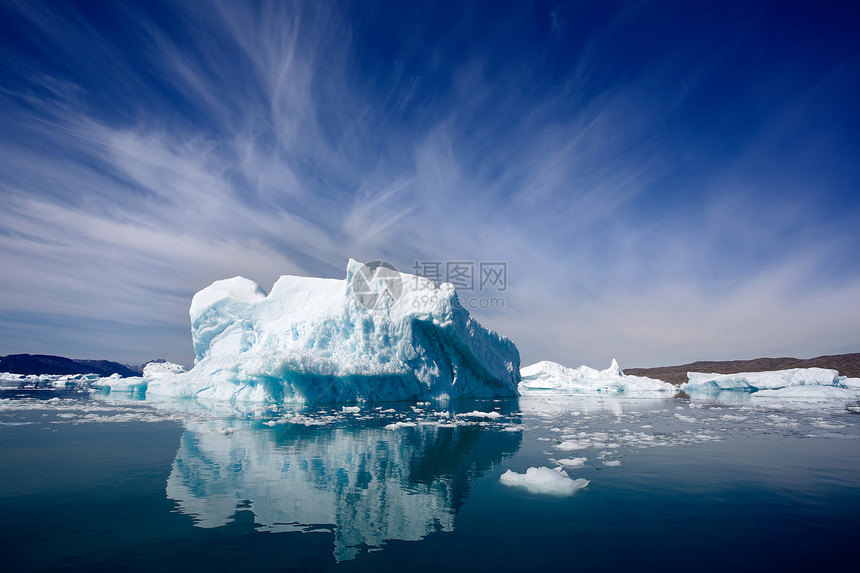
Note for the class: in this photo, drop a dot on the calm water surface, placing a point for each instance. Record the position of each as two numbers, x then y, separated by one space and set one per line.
101 482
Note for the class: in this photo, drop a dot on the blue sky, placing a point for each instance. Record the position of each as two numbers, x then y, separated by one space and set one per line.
666 181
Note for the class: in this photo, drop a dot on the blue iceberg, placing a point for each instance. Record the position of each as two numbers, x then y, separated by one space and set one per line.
378 335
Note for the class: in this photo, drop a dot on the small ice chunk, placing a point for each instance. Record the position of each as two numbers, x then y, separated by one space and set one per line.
612 463
568 446
544 480
398 425
479 414
573 462
351 409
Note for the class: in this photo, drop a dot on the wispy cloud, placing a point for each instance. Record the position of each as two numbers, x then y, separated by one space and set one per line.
159 148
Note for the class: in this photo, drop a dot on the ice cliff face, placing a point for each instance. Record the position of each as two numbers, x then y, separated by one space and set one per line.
377 335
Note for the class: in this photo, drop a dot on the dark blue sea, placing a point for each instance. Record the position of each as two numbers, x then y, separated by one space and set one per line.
101 482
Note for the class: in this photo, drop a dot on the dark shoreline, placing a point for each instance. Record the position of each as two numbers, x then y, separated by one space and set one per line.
846 364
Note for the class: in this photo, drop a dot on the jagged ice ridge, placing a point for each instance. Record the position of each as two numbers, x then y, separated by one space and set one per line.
377 335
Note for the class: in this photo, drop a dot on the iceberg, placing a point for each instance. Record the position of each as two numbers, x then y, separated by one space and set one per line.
151 371
552 376
47 381
544 480
795 386
755 381
378 335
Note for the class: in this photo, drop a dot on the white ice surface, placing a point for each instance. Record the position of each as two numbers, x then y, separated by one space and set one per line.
753 381
156 369
551 376
544 480
853 383
572 462
58 381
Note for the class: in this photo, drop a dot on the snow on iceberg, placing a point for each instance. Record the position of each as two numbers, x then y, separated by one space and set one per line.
754 381
151 372
159 369
377 335
544 480
553 376
116 383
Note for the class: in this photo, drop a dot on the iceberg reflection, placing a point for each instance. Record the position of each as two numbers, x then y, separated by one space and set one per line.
361 482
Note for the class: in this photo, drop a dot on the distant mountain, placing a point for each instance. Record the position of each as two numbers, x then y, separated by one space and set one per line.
46 364
846 364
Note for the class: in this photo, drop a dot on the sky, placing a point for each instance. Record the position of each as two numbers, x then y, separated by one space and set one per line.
664 181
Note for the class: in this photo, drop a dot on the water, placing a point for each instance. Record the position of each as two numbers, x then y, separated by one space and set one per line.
102 482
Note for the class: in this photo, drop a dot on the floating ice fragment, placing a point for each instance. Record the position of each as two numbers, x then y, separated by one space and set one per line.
544 480
568 446
573 462
479 414
398 425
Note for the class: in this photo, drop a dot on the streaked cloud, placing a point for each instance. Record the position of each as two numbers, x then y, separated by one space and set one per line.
646 209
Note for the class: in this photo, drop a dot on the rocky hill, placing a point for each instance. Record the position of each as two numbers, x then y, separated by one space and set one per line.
846 364
47 364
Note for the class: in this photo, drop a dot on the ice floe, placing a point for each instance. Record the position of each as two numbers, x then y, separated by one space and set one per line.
544 480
